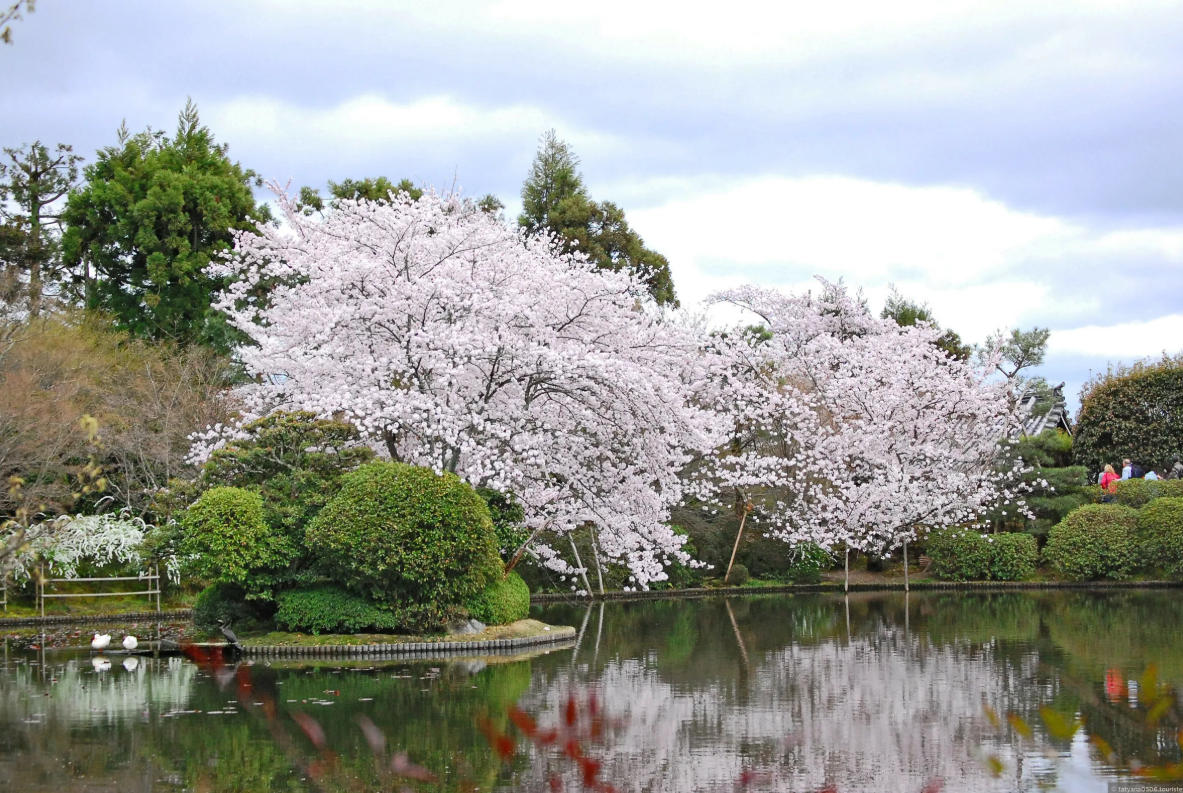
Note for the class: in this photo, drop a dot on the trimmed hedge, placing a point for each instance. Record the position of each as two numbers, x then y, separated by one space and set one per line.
407 537
1096 541
330 609
226 535
739 575
1137 493
967 555
503 601
1160 534
1015 556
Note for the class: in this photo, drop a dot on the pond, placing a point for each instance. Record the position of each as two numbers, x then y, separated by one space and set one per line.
948 691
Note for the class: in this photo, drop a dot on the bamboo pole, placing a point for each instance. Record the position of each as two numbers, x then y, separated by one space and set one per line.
905 565
847 585
746 509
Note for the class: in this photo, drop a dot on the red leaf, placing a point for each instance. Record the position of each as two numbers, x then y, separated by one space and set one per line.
934 785
591 769
522 721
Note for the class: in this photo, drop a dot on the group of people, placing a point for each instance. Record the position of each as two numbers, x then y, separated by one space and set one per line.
1108 478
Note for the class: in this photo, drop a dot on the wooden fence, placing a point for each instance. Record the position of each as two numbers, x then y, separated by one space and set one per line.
152 579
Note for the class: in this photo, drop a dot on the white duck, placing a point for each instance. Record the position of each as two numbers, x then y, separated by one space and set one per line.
101 641
130 642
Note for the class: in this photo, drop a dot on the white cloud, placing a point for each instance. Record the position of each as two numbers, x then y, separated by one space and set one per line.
981 264
371 124
1127 342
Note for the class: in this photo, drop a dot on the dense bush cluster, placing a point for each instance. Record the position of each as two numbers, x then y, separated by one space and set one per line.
228 540
503 601
295 519
968 555
330 609
1160 534
1096 541
406 536
1137 493
1135 413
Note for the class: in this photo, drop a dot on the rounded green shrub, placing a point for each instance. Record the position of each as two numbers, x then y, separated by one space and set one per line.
227 602
1160 535
967 555
330 609
959 555
406 536
739 575
1095 541
503 601
1014 556
226 535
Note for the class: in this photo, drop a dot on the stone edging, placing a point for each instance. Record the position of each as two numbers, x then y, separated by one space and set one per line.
77 619
411 649
837 589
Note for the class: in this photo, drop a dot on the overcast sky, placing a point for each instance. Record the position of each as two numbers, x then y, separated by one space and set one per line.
1011 163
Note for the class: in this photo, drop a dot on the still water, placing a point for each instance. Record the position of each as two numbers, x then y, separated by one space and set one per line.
878 692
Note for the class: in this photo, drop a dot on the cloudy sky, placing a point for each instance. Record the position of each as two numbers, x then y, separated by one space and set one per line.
1011 163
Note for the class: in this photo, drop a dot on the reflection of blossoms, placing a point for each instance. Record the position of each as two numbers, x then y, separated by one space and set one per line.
878 713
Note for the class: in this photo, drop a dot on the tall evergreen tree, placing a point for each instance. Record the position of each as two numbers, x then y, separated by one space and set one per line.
35 179
907 312
154 212
554 198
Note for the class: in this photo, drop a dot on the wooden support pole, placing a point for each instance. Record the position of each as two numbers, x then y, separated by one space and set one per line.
905 565
735 548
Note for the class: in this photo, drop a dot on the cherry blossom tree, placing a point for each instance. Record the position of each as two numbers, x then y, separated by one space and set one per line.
850 430
452 341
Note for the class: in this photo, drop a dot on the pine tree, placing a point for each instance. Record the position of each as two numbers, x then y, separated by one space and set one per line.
154 213
554 199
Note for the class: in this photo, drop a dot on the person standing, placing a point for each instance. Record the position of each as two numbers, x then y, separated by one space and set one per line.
1176 471
1108 477
1127 470
1150 475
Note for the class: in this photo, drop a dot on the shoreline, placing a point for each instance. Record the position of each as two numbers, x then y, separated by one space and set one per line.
545 598
832 588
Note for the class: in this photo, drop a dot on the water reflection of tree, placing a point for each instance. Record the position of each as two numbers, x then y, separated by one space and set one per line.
896 704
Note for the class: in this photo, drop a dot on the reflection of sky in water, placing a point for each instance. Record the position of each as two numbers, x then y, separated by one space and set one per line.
79 694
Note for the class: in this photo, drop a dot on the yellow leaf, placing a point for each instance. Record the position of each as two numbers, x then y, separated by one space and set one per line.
1148 684
1020 726
994 764
1102 746
1059 725
991 715
1158 710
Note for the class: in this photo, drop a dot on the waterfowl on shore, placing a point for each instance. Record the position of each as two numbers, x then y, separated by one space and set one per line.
130 642
231 637
100 641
